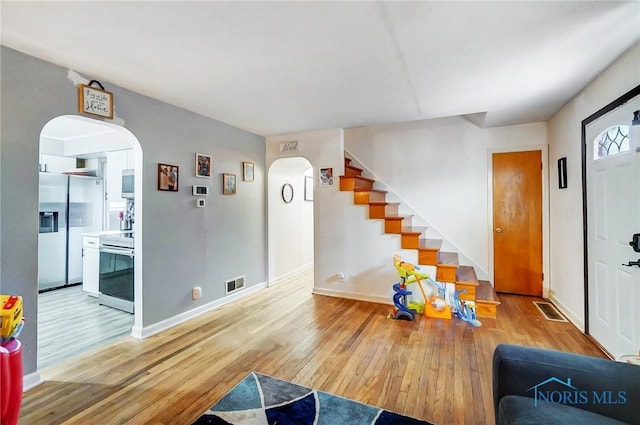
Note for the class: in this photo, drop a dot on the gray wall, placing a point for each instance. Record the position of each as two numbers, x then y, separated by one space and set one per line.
183 246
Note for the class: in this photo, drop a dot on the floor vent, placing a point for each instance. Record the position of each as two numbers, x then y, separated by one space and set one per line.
235 284
549 311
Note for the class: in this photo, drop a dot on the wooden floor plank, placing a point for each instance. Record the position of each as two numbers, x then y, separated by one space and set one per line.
70 322
433 369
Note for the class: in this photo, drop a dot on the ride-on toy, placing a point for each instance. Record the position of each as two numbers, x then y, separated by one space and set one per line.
434 305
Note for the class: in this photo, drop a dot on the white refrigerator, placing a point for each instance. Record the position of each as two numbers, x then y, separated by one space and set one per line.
69 206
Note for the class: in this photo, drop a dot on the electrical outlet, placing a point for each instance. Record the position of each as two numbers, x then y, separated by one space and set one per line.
196 292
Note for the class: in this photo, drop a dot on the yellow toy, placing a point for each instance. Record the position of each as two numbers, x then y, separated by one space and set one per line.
435 305
11 314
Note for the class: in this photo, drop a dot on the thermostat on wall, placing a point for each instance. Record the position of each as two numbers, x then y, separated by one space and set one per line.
200 190
200 203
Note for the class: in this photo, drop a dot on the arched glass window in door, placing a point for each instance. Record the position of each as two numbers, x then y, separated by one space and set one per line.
611 141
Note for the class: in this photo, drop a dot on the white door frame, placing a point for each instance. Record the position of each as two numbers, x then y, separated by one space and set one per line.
604 110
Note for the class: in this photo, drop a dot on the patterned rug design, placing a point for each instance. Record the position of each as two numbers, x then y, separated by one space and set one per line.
263 400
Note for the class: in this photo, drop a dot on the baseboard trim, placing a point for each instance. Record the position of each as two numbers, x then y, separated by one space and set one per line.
578 323
291 275
352 296
31 380
147 331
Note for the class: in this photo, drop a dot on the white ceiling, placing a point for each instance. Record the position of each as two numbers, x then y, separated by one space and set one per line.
279 67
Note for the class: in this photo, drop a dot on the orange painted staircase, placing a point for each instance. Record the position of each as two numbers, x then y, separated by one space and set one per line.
447 266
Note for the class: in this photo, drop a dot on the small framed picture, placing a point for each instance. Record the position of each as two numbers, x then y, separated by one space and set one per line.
308 188
168 177
326 176
562 173
247 171
228 184
203 165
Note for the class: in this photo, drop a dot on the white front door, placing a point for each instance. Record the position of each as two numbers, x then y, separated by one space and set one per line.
613 216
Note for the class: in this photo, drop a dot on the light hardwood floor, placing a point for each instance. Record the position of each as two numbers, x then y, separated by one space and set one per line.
432 369
71 323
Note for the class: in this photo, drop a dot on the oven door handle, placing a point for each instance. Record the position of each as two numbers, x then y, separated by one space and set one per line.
117 251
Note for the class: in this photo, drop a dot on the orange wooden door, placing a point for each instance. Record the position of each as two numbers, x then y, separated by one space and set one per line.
517 222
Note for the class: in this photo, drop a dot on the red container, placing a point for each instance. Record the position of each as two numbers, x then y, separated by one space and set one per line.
10 382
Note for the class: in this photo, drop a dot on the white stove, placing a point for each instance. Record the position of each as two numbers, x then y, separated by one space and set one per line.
116 277
120 240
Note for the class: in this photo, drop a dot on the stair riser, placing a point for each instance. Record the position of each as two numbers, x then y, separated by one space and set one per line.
446 274
469 293
351 183
363 184
346 184
351 172
486 310
363 198
410 241
382 211
427 258
395 226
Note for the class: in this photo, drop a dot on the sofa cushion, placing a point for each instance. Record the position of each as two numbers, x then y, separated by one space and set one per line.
518 410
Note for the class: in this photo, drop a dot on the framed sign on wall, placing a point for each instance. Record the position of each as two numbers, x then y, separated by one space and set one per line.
95 101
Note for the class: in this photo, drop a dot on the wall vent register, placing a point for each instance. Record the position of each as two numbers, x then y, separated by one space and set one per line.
235 284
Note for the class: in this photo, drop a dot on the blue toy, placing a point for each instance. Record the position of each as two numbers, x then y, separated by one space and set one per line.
466 310
400 301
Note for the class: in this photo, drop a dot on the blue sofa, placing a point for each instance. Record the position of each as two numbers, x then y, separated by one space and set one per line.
537 386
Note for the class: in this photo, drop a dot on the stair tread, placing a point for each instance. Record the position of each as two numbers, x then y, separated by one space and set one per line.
353 167
430 244
363 189
466 275
396 217
447 258
412 230
382 204
485 293
358 178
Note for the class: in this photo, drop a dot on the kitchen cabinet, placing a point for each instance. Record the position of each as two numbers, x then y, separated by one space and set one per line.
90 264
116 162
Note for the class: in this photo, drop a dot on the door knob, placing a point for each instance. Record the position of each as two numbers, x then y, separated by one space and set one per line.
498 229
633 263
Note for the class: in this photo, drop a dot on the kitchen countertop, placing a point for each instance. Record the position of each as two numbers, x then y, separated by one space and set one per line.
108 232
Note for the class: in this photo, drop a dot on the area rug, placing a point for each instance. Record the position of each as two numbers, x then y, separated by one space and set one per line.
263 400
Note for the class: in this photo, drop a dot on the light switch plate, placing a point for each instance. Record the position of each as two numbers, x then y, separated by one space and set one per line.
199 190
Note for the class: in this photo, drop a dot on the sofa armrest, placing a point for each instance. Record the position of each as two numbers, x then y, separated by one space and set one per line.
601 386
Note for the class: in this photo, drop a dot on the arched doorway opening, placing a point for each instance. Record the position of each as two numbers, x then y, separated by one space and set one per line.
291 219
82 164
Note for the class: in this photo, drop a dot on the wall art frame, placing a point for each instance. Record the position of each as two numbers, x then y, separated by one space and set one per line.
93 101
168 177
229 184
562 173
204 164
248 171
326 177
